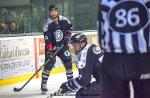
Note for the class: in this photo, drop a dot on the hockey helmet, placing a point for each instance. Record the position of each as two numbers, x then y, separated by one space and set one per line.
53 7
78 38
78 41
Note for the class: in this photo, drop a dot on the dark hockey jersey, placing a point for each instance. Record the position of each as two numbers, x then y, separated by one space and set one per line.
88 63
54 33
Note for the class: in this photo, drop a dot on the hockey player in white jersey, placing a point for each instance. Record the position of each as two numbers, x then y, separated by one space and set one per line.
88 63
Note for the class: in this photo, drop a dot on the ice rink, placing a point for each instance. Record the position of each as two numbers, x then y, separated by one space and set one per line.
32 90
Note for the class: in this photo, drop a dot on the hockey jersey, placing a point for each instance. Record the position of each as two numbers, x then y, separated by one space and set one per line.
55 32
88 63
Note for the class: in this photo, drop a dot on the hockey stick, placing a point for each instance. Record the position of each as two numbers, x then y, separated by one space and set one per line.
54 54
58 93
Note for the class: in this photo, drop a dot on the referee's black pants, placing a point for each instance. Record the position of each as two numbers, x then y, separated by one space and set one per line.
119 69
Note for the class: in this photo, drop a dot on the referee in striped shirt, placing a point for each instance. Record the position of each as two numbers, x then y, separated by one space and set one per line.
124 35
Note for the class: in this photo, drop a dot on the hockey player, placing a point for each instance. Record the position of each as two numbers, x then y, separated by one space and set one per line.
57 31
88 63
124 34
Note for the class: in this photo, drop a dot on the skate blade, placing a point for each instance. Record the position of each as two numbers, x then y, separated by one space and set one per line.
43 92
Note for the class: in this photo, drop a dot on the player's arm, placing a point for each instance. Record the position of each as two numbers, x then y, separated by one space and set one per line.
75 84
101 8
48 42
148 4
68 32
69 26
47 36
98 55
85 75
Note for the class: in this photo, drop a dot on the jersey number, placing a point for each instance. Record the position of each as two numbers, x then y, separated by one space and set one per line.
127 17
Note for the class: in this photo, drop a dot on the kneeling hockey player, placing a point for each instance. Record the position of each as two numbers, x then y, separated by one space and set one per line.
88 63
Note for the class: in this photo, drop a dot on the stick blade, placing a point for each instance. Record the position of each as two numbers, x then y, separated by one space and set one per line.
16 89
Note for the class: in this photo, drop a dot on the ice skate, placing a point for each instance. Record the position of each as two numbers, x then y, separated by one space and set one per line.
44 88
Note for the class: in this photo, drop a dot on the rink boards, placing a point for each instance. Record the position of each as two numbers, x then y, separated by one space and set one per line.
21 56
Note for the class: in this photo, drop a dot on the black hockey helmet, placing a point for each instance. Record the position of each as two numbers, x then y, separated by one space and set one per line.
78 38
77 42
52 7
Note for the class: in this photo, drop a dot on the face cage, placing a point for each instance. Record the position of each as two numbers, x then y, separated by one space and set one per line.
77 45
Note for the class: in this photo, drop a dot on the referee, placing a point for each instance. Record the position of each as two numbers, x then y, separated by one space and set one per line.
124 35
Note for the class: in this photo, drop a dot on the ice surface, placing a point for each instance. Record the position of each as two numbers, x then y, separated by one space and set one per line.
32 90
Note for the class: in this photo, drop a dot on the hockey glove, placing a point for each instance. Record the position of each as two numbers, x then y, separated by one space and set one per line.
50 54
49 47
65 89
67 37
68 33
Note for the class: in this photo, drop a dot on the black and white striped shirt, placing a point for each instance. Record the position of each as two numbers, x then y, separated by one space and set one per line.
125 26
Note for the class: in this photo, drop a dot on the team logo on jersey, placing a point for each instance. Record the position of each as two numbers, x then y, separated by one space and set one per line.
58 35
82 63
96 50
128 16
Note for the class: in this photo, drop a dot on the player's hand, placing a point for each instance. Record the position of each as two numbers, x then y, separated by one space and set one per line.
64 88
50 54
68 33
67 37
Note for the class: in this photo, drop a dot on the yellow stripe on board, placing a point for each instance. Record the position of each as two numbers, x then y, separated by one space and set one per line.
22 78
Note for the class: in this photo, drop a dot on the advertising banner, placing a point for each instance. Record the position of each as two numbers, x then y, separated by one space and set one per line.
41 51
16 56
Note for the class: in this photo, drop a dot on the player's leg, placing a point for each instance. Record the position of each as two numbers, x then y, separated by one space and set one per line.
45 74
91 91
81 93
112 83
141 88
141 85
65 57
